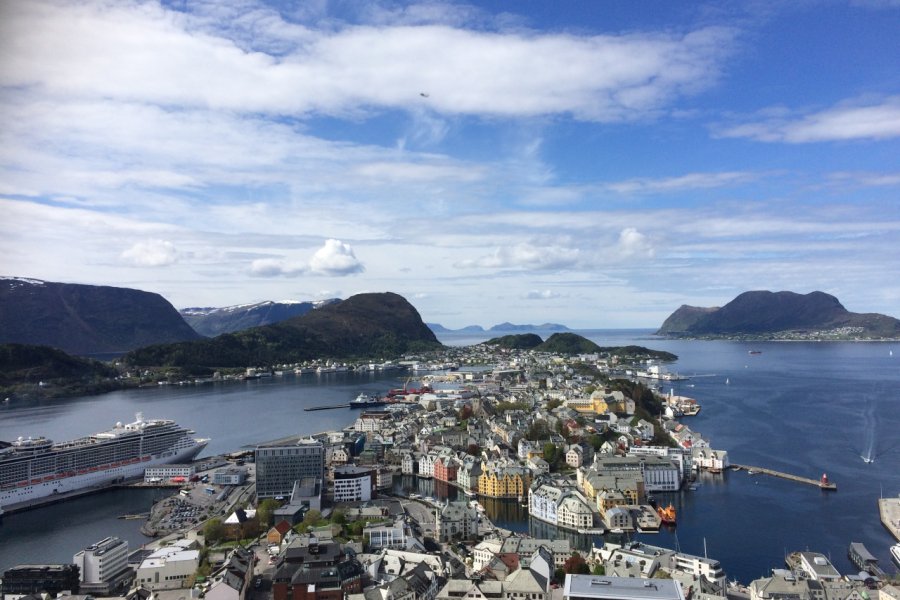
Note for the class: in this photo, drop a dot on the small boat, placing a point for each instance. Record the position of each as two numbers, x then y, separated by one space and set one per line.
895 553
667 514
754 352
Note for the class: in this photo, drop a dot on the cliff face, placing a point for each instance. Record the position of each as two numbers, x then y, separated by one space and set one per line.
364 325
764 312
86 319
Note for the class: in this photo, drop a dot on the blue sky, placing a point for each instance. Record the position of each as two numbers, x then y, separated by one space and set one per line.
591 163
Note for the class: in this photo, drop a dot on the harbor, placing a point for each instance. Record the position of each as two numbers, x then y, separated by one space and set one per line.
738 417
822 483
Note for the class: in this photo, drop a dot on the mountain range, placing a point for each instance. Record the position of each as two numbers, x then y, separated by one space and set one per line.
86 319
210 322
365 325
777 314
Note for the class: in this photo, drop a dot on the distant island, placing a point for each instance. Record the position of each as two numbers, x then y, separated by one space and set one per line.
500 327
785 315
572 343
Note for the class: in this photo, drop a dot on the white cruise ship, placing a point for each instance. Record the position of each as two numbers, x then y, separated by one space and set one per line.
34 468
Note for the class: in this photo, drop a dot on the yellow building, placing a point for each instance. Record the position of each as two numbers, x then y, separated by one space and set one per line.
504 482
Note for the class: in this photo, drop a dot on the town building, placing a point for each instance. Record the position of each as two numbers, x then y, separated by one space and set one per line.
354 484
456 521
103 567
592 587
35 579
230 476
168 472
278 467
169 567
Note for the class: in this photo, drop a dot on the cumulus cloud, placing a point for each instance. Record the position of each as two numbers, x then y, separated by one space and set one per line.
633 243
334 259
541 295
524 256
856 120
151 253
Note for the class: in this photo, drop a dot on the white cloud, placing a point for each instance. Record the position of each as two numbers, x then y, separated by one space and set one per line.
142 52
541 295
857 120
633 243
151 253
276 267
335 258
525 256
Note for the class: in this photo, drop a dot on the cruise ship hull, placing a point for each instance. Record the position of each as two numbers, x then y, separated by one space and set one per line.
38 491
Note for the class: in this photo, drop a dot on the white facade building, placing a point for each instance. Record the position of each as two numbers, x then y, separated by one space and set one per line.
168 568
353 484
103 562
163 472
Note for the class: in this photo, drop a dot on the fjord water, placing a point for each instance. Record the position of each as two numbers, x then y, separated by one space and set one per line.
803 408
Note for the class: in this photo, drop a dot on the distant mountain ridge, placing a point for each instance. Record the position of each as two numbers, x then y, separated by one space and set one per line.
438 328
86 319
365 325
765 313
210 321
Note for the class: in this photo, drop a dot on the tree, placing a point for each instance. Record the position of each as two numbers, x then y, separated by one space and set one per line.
465 412
576 564
551 453
538 430
554 403
598 570
473 450
266 512
213 531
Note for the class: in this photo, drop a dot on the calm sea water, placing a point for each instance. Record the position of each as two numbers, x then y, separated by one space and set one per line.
804 408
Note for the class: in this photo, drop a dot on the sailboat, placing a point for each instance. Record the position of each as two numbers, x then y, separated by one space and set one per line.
727 382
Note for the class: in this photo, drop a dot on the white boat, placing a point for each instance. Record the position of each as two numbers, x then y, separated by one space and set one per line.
35 468
895 553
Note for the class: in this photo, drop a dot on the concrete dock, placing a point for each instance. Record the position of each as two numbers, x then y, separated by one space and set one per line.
823 483
889 508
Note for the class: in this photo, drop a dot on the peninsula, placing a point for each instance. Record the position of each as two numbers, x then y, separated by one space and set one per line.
779 316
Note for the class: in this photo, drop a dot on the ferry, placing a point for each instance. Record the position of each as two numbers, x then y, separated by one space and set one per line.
32 469
366 400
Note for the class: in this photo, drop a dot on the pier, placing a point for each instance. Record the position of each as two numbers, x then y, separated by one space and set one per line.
326 407
823 483
889 508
